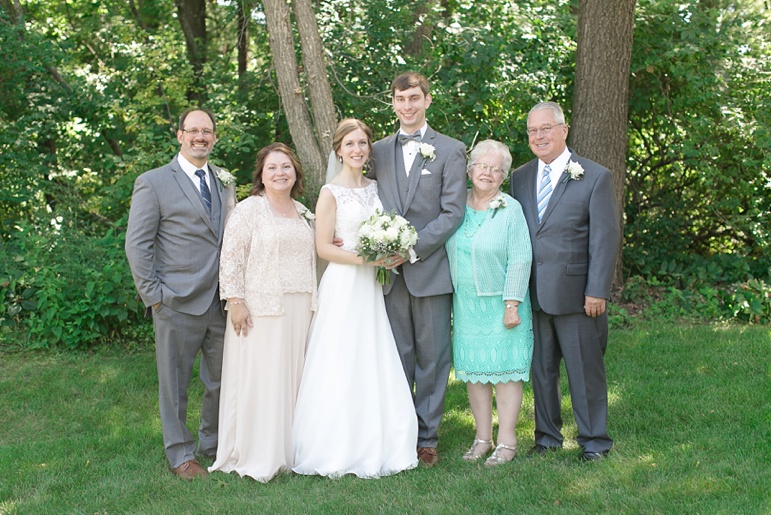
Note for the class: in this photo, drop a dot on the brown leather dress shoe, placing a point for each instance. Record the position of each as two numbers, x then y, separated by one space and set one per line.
189 470
428 456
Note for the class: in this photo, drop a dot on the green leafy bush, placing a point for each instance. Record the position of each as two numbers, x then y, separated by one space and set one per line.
70 289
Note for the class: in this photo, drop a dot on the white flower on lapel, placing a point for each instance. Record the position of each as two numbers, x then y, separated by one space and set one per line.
307 213
574 171
226 178
497 203
427 151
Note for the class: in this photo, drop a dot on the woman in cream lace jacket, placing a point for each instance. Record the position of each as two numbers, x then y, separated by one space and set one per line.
268 276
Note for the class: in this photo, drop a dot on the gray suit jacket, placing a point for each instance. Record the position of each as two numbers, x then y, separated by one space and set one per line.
435 205
172 245
575 245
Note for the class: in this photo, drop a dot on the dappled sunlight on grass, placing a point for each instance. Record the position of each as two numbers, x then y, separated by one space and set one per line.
689 412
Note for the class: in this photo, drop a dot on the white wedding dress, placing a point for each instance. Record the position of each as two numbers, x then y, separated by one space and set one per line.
354 412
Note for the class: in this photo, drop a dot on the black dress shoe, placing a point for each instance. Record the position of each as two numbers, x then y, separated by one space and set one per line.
593 456
540 450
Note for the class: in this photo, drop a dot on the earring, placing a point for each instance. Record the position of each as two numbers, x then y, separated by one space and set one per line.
339 159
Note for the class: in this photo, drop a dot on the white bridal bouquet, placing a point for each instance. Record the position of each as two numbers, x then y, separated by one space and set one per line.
383 235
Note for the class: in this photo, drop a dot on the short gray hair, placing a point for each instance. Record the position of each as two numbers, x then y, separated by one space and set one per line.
549 106
489 146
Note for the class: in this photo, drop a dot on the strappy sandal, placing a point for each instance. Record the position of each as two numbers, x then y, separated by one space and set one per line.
473 454
496 458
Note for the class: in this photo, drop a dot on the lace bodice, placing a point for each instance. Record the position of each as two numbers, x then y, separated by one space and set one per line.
354 205
264 257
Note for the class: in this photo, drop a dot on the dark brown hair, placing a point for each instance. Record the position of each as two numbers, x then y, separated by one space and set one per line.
189 110
258 187
409 80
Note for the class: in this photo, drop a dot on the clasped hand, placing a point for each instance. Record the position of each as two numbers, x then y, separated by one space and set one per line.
240 318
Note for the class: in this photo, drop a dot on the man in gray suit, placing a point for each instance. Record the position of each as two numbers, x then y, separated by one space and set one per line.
173 242
421 175
570 210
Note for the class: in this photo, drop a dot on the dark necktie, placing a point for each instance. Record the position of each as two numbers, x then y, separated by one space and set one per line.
205 192
544 192
415 136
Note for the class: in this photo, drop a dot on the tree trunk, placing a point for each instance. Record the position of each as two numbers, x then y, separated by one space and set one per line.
314 161
414 47
314 62
243 37
192 19
600 103
15 12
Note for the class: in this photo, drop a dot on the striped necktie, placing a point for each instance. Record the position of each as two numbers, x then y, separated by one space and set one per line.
544 192
205 191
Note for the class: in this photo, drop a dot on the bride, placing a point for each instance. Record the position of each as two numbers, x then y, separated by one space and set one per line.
354 412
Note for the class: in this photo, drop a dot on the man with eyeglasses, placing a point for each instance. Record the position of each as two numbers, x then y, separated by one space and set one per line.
571 213
173 240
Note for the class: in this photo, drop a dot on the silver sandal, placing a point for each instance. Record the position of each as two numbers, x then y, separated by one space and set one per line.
473 455
496 458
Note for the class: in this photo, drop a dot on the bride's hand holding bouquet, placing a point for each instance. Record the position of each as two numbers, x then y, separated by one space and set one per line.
384 240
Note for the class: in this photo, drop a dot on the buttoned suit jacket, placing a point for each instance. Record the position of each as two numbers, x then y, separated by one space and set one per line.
576 244
434 205
172 245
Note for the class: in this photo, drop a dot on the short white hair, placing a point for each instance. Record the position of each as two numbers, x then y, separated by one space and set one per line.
549 106
490 146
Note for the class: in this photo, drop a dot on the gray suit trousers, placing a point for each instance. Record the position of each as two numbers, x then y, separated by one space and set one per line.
178 338
423 341
581 341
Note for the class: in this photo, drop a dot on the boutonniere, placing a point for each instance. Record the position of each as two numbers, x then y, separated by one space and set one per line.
497 203
307 214
574 171
226 178
427 151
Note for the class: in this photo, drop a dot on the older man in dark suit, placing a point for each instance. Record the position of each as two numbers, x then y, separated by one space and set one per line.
571 213
421 174
173 242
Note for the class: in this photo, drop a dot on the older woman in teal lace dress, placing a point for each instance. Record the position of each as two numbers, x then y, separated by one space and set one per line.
490 258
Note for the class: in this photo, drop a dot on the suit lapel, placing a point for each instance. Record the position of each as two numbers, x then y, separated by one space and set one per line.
529 202
555 196
388 173
192 194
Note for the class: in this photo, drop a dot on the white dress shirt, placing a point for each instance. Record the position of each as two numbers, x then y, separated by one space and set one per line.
411 148
189 169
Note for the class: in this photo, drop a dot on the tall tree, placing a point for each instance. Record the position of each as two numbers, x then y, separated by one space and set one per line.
600 103
313 141
192 19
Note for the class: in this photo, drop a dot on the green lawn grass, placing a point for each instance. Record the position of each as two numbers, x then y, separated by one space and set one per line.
690 413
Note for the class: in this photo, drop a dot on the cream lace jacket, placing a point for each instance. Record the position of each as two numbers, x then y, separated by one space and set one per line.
251 265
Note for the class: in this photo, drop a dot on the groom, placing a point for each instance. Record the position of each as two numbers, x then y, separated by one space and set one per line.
421 175
173 240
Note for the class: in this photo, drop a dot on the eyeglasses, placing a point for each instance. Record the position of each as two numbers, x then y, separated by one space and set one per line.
196 132
485 166
546 129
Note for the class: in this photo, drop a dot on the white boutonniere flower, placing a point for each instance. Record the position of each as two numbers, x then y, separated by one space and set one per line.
226 178
497 203
574 171
427 151
307 214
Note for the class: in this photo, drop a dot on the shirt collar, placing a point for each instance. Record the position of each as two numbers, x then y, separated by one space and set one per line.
422 130
557 166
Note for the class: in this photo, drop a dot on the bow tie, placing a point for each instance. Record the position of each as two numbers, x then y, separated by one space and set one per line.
415 136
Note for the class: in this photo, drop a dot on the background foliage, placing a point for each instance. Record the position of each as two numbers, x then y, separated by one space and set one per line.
89 93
